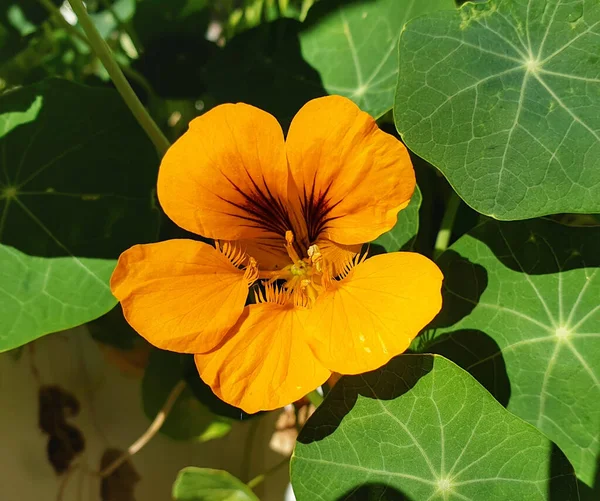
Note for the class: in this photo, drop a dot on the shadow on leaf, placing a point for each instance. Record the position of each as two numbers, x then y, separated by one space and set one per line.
374 492
471 349
540 246
464 283
583 492
389 382
563 484
480 355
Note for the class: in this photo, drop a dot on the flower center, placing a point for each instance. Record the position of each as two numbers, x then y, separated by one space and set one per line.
304 279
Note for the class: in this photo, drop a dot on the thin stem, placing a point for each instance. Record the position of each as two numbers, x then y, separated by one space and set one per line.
315 398
259 479
443 236
150 432
102 50
58 18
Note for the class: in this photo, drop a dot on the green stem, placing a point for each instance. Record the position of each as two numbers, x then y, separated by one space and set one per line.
443 236
315 398
259 479
101 49
75 33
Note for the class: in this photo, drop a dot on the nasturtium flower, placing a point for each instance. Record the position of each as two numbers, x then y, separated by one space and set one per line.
289 217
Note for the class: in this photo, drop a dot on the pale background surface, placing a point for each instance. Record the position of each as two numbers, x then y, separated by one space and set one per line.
111 416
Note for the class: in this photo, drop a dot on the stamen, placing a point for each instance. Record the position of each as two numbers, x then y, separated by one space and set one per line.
251 273
233 253
289 247
272 294
316 257
349 264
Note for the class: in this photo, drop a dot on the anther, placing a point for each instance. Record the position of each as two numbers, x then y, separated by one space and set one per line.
251 272
289 247
316 257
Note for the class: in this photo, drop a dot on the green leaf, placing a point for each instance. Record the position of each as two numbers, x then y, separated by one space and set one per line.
521 313
504 98
406 228
353 45
424 428
189 419
43 295
77 176
205 484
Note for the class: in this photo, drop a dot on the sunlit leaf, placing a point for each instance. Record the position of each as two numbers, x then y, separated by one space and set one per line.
43 295
354 46
205 484
522 314
504 98
423 428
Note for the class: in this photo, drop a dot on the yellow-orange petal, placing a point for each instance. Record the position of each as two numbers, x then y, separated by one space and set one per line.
337 255
265 362
373 314
269 253
227 176
180 295
364 175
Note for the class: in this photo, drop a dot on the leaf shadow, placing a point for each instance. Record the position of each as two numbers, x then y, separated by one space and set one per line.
584 491
374 492
522 245
478 354
471 349
322 10
464 284
564 484
389 382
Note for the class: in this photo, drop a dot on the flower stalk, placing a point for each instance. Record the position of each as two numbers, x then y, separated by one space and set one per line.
443 236
102 50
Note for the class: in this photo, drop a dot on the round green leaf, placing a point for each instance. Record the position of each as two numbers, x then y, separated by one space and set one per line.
353 45
504 98
77 172
205 484
43 295
423 428
406 228
76 180
189 419
521 313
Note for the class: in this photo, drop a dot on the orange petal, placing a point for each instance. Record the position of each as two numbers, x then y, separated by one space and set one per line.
270 253
265 362
337 255
226 176
373 314
363 175
180 295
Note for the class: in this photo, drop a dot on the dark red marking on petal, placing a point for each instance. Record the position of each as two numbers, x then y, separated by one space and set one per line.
315 209
262 208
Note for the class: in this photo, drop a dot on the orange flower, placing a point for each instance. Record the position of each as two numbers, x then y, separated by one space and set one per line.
291 215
